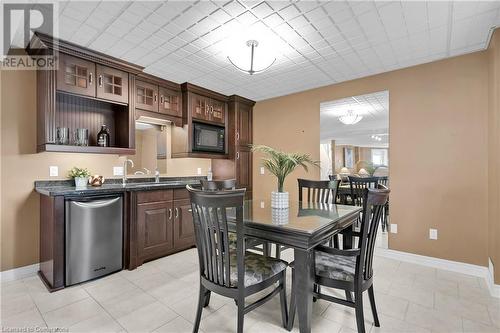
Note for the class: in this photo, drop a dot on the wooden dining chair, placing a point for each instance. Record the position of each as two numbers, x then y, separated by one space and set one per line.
218 185
350 270
358 186
230 184
317 191
384 180
233 273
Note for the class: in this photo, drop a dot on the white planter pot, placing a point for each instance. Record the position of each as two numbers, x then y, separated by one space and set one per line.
280 215
279 200
81 182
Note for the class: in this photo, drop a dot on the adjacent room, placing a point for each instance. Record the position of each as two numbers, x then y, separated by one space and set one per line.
250 166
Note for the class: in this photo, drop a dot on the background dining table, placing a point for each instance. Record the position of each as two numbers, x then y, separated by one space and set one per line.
302 227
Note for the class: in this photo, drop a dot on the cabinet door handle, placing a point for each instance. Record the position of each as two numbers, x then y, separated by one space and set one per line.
91 78
190 210
237 155
176 212
161 99
170 213
237 136
156 98
100 80
211 109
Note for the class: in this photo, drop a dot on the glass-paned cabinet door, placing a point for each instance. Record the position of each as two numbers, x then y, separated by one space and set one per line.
200 107
112 84
170 102
217 111
146 96
76 75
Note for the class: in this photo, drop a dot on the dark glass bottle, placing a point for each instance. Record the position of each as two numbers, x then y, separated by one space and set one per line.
103 137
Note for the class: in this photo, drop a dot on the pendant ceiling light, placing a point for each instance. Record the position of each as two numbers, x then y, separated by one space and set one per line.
253 66
350 118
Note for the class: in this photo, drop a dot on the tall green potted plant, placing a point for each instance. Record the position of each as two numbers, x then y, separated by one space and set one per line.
281 164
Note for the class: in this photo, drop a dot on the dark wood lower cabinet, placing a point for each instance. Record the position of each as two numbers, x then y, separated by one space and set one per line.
163 224
183 226
155 229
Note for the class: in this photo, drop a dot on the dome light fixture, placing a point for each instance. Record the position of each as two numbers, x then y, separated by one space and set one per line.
252 44
350 118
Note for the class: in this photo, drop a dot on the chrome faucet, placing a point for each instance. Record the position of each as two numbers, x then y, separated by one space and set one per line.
125 165
157 176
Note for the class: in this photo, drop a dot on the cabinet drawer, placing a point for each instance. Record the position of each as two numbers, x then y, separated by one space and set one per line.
154 196
181 193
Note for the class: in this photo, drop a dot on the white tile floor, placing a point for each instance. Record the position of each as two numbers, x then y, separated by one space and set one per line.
161 296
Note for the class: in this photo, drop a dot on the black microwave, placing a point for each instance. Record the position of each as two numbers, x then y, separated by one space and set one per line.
209 138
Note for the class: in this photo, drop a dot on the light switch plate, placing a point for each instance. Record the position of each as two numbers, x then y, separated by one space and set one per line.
199 171
262 170
394 228
433 234
262 204
53 171
117 171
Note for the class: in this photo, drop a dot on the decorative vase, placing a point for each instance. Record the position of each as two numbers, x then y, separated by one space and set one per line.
81 182
279 199
280 215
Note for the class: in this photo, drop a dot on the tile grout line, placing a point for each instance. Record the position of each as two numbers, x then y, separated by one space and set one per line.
106 311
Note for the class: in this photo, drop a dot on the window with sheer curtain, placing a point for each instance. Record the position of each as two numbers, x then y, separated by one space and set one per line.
380 157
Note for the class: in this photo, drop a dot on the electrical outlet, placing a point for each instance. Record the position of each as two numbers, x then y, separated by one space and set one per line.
53 171
199 171
262 204
394 228
117 171
433 234
262 170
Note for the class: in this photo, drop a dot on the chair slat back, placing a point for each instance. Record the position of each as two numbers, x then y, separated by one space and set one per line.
374 201
211 232
218 185
359 185
324 191
384 180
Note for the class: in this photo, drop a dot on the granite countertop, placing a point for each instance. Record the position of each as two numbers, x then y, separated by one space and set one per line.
112 185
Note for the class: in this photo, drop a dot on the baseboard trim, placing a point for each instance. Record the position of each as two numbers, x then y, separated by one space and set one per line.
19 273
459 267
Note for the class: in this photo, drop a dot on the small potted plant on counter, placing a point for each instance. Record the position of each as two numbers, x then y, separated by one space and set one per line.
281 164
80 175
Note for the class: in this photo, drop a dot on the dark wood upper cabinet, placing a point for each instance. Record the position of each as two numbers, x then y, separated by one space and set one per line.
170 102
243 133
146 97
112 84
217 111
200 107
76 76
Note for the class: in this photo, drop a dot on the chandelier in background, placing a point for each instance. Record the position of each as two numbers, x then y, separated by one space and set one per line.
350 118
253 66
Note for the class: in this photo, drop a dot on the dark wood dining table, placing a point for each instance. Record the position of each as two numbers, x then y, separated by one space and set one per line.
301 227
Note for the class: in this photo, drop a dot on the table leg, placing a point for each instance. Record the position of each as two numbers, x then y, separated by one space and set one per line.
304 275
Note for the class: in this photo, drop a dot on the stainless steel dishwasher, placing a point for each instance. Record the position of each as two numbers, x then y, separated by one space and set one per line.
93 237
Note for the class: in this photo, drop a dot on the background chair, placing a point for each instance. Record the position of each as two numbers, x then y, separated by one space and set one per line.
350 270
218 185
384 180
232 273
358 186
317 191
230 184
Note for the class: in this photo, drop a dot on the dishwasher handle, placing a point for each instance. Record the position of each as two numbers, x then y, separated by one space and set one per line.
95 202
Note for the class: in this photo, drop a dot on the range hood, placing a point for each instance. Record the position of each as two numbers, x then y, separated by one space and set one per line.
153 121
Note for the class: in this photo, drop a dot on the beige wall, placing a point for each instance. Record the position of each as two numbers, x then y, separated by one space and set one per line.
21 165
438 137
494 154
